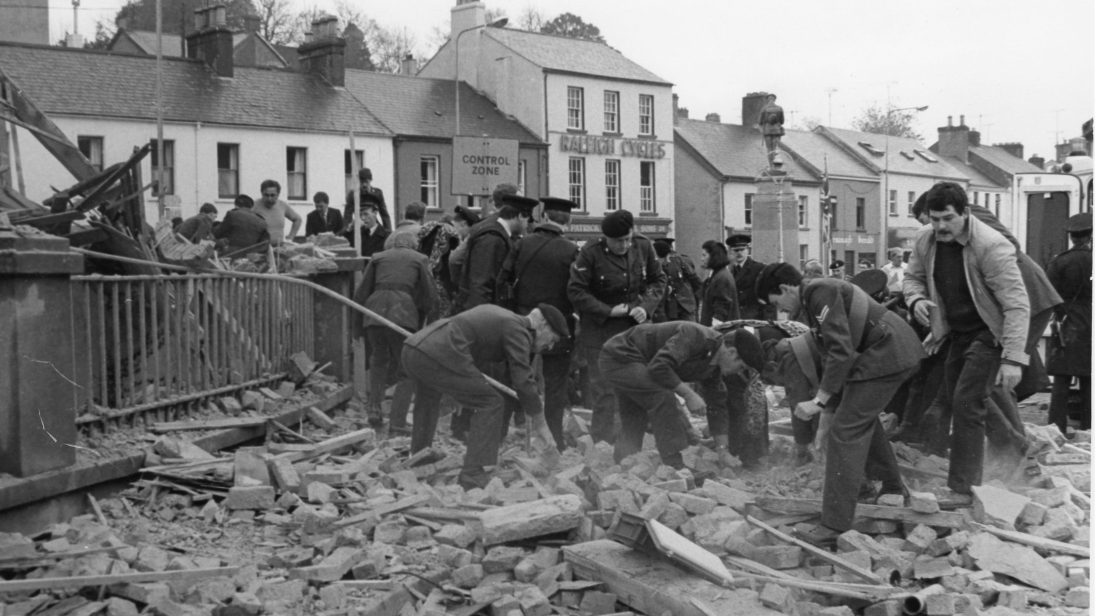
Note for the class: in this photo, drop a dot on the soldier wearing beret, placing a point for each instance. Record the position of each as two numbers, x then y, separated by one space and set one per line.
615 283
682 284
745 271
836 270
1069 350
452 355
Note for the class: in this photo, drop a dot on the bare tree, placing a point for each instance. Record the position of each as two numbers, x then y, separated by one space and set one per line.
390 46
875 119
277 21
302 23
531 18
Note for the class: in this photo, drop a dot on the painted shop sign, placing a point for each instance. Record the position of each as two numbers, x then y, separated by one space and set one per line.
610 146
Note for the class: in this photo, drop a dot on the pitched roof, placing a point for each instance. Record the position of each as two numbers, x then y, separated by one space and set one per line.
424 107
975 176
733 150
1003 160
172 43
823 154
90 83
571 55
907 156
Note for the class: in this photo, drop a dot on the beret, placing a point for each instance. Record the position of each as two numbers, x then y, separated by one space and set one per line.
872 281
555 319
617 224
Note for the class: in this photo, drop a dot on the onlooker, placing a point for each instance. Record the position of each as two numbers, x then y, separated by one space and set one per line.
460 255
243 229
745 271
682 284
812 269
275 211
413 217
367 192
720 294
176 222
373 234
436 240
895 270
324 219
836 270
198 228
488 244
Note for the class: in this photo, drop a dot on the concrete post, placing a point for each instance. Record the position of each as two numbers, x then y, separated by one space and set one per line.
332 325
39 394
771 197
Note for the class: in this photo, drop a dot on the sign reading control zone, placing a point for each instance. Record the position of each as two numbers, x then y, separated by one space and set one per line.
479 164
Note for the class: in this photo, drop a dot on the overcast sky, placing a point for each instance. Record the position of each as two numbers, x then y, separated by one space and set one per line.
1019 70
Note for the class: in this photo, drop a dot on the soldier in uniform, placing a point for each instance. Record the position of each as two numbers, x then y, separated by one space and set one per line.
1069 350
452 355
488 244
615 283
745 271
536 272
868 353
682 284
836 270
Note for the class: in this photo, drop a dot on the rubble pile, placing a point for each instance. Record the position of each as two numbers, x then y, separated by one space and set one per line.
330 518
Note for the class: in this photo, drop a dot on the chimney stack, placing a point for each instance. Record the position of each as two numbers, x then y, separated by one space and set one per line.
467 15
1037 161
325 53
975 138
408 66
74 41
955 140
713 117
751 104
211 40
252 23
1013 148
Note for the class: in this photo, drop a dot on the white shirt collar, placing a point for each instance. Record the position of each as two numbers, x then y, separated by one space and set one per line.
505 227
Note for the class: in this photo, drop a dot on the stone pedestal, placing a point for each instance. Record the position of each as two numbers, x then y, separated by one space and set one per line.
332 320
773 196
39 396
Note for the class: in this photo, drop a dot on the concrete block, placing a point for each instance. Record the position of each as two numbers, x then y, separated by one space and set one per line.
533 602
923 502
332 568
502 559
152 558
932 568
858 558
941 604
333 596
948 544
117 606
655 506
1078 597
598 603
214 590
389 532
1052 497
997 507
919 539
892 500
148 593
776 597
284 592
456 535
696 505
322 420
230 406
1033 514
250 497
725 495
781 556
468 577
892 607
674 516
1057 532
320 493
284 474
837 610
1013 598
252 401
286 389
14 545
506 605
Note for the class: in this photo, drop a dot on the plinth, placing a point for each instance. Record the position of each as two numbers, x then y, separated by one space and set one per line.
775 208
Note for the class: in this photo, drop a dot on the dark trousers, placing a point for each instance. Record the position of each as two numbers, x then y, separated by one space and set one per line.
1058 401
556 368
606 423
642 402
385 347
856 440
970 372
466 385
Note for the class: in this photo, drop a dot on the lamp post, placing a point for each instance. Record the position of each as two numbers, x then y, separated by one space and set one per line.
883 239
456 73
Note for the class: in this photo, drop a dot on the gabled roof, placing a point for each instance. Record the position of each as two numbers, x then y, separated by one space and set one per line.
422 107
820 153
906 156
146 42
735 151
571 55
976 177
100 84
1003 160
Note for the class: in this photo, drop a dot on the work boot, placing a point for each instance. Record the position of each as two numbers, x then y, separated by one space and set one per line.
819 536
476 477
373 414
722 447
674 460
803 455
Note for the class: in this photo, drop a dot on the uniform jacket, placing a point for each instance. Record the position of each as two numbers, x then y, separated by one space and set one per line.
600 279
745 278
1069 348
488 245
675 352
242 228
196 228
720 298
682 288
888 345
316 223
398 286
374 241
474 339
348 210
994 279
539 264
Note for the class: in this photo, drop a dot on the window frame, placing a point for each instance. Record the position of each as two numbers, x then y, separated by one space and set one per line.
648 193
425 185
292 154
168 168
614 114
803 211
748 209
612 201
522 177
234 153
860 214
348 167
912 202
576 113
89 154
577 191
649 131
891 202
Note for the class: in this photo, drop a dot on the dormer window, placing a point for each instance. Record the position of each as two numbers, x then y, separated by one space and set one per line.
926 156
870 148
907 155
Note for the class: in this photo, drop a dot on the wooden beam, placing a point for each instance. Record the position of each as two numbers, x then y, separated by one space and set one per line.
208 424
795 506
825 555
1036 542
187 575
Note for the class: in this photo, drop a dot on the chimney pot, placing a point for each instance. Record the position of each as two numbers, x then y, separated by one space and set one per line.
407 66
123 23
218 13
713 117
199 19
212 40
684 112
962 120
950 120
252 23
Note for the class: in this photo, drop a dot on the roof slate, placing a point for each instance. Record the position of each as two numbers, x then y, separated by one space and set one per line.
86 83
734 150
822 154
898 163
419 106
975 176
559 53
1004 160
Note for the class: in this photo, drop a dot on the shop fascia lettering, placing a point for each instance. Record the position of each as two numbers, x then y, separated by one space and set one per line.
587 144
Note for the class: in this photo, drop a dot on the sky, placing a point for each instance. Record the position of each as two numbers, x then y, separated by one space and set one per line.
1018 70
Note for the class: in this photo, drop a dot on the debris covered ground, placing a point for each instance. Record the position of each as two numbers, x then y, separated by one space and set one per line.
328 517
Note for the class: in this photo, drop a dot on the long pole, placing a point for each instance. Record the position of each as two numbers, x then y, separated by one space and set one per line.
159 110
355 183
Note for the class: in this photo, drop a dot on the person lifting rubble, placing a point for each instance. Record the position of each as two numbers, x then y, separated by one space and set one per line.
649 365
451 356
868 352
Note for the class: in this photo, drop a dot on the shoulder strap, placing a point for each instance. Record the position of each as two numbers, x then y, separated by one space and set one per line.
517 277
857 315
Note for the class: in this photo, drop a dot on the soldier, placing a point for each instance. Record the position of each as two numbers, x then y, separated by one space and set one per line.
452 355
1069 352
868 353
536 272
648 365
488 244
615 283
836 270
682 284
745 271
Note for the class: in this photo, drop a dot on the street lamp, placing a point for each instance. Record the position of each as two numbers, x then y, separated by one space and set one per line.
456 73
883 239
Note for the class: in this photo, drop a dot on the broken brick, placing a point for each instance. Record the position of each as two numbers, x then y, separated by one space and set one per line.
250 497
997 507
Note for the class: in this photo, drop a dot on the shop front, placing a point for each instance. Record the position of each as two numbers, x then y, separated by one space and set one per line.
854 248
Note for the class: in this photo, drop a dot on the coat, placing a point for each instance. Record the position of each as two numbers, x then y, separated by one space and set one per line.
473 340
1068 351
488 245
397 285
316 223
242 228
382 206
601 279
675 352
745 279
888 345
682 289
995 281
196 228
373 242
720 298
538 267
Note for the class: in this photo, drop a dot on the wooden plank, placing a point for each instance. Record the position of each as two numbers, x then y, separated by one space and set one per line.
653 586
208 424
1036 542
818 552
383 510
796 506
330 445
188 575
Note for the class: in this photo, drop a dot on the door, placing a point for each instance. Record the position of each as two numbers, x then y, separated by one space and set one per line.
1046 217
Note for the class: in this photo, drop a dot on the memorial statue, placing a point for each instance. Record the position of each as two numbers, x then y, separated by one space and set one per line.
771 129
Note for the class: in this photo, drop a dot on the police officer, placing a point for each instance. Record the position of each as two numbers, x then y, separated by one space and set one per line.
488 244
536 272
1069 352
615 283
745 271
682 284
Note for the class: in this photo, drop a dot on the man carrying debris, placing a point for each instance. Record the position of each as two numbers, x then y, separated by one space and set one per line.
868 353
198 228
242 229
649 365
451 356
967 275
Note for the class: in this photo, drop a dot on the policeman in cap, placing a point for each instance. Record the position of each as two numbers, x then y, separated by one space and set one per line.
1068 354
745 271
488 244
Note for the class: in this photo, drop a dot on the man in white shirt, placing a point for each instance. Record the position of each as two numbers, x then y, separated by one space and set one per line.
895 270
275 212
